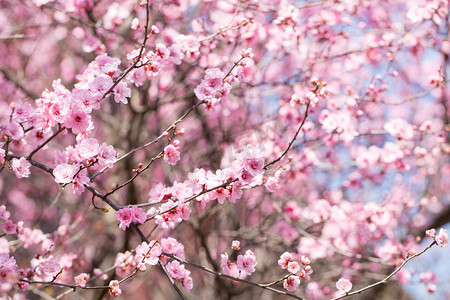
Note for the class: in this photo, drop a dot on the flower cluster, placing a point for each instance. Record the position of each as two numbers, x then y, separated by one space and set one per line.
245 262
247 168
114 289
441 238
212 87
128 215
171 153
81 279
298 268
8 273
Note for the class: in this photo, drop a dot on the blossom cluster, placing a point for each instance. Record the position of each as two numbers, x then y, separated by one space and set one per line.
247 168
245 262
441 238
128 215
153 252
297 266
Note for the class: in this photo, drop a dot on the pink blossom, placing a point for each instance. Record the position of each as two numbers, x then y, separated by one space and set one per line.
138 215
85 100
291 283
284 260
442 238
88 148
50 267
225 264
272 184
344 285
171 155
114 289
125 217
292 210
64 173
8 227
400 128
81 280
78 121
172 246
21 167
4 214
176 270
106 155
148 253
14 131
2 154
431 232
122 92
188 283
246 262
236 245
293 267
8 272
100 85
22 111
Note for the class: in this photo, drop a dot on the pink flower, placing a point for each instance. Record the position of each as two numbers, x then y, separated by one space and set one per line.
442 238
431 232
81 280
246 262
106 156
64 173
138 215
125 217
100 85
344 285
148 253
284 260
187 283
50 267
400 129
172 246
293 267
20 167
4 214
171 155
177 270
225 264
236 245
291 283
14 131
121 93
2 154
114 289
88 148
78 120
8 227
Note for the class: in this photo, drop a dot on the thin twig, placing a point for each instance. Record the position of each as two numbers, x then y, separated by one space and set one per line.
383 281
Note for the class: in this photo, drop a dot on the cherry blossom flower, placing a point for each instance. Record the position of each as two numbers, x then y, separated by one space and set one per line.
291 283
246 262
148 253
344 285
442 238
64 173
236 245
122 92
8 227
114 289
284 260
171 155
400 128
125 217
225 264
21 167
